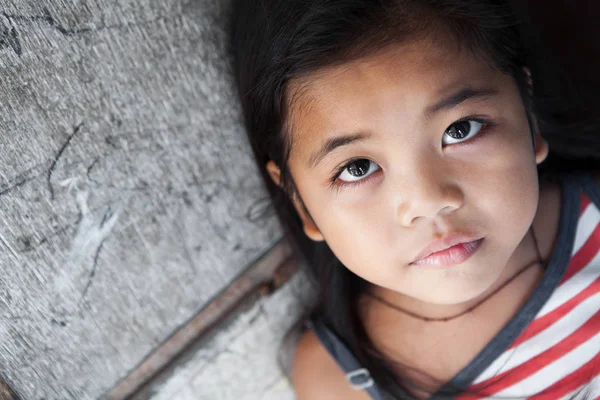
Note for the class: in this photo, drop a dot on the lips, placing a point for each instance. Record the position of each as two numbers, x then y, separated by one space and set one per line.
451 250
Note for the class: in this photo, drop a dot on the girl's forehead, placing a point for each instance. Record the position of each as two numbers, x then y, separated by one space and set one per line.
416 72
402 82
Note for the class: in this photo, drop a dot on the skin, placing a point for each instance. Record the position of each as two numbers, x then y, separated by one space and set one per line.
486 186
422 189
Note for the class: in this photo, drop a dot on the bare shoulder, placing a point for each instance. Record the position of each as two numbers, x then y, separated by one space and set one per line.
315 374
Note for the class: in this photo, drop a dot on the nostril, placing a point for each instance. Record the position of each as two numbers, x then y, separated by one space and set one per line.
413 220
447 209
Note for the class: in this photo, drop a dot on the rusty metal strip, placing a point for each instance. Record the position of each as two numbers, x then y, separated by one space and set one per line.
6 393
264 276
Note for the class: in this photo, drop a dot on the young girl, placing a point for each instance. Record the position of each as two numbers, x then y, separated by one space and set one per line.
416 153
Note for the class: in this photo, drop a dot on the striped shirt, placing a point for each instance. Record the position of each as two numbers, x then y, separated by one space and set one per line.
558 355
550 349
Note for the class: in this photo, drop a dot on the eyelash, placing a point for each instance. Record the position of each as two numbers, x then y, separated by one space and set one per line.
486 124
339 185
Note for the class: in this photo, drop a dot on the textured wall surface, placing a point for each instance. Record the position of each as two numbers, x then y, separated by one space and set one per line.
240 362
128 196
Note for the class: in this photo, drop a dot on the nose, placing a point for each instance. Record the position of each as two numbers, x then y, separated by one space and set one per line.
428 194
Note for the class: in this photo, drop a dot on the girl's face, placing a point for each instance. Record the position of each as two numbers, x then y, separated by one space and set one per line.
416 144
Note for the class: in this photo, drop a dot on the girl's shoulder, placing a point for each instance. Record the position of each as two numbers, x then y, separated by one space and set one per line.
558 201
316 375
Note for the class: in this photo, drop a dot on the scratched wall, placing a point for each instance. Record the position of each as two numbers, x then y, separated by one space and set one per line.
245 361
128 197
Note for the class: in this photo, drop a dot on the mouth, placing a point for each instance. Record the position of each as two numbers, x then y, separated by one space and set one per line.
451 251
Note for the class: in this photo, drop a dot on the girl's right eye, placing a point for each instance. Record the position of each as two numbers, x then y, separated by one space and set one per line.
357 170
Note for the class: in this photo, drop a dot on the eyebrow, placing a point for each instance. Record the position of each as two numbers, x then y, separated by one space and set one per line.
333 143
454 99
457 97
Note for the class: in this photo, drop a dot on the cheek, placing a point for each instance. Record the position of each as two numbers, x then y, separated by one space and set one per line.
359 239
505 155
506 188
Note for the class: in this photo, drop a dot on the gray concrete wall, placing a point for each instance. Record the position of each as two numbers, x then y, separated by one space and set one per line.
240 363
128 196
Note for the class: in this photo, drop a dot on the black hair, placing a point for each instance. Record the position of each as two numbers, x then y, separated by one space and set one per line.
276 41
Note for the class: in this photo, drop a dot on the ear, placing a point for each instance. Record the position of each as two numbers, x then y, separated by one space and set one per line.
310 228
541 148
541 145
274 172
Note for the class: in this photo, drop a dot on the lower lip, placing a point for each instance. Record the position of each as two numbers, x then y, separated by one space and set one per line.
451 256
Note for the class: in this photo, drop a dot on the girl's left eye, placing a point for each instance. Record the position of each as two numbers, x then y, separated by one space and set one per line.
462 131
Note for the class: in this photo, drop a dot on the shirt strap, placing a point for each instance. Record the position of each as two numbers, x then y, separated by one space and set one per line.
358 377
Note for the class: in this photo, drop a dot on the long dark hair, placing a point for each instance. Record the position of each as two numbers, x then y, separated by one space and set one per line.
275 41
